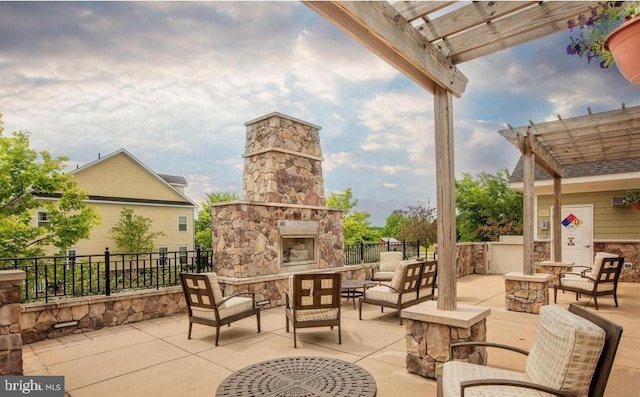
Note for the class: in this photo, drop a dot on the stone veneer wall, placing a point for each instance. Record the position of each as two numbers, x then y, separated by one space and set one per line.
38 320
428 346
629 249
10 339
246 242
471 258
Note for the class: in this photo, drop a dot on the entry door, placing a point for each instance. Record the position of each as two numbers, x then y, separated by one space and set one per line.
577 234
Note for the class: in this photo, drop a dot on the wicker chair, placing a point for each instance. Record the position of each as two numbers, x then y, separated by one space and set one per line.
313 300
601 279
572 355
389 262
414 281
207 306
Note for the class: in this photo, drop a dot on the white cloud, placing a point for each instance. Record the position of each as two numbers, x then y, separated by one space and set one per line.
389 185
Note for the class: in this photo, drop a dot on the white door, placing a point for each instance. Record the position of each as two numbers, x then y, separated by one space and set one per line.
577 234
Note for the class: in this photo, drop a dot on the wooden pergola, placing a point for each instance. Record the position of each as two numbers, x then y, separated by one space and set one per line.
613 135
425 41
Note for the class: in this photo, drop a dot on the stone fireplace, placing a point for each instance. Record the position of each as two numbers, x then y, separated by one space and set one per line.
281 224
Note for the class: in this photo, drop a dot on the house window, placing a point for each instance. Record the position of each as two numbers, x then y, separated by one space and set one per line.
163 255
182 254
43 219
70 256
182 223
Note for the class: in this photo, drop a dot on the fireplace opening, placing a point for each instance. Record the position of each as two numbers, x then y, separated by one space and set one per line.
298 250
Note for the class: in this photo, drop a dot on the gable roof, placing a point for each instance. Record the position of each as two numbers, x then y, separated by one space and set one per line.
168 180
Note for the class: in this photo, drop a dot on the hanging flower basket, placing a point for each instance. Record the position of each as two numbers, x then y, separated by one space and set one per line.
624 44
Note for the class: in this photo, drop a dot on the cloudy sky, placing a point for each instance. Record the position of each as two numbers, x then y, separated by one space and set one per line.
174 82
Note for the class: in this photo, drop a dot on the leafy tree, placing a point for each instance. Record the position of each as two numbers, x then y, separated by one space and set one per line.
487 207
25 175
357 226
133 233
394 224
203 219
419 224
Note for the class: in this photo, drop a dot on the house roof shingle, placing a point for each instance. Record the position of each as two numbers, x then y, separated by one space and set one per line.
579 170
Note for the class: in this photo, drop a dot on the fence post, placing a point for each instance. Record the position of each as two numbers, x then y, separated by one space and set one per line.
418 249
197 259
404 249
107 272
361 252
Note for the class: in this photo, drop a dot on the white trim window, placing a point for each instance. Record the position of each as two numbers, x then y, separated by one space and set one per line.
163 254
42 218
182 254
182 223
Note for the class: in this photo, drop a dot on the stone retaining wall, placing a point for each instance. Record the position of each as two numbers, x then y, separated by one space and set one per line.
629 249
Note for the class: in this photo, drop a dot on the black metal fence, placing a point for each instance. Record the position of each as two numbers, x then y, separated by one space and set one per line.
370 252
82 275
53 277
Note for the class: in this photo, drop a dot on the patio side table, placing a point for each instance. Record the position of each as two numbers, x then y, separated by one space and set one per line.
299 376
353 289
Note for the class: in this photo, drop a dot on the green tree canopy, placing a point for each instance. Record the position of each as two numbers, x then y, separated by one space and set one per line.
203 217
394 224
357 227
133 233
25 175
419 225
487 207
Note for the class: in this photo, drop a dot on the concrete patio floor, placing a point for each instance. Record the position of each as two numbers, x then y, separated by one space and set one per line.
154 357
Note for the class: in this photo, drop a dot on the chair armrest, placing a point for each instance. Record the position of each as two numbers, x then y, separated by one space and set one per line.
510 382
226 298
561 275
369 285
489 344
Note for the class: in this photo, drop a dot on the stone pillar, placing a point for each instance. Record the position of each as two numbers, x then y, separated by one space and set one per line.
554 268
10 339
430 333
526 293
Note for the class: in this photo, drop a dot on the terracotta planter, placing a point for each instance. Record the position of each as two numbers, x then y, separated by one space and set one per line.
636 206
624 44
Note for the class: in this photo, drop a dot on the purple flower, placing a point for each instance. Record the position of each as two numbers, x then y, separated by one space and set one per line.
603 65
582 20
571 50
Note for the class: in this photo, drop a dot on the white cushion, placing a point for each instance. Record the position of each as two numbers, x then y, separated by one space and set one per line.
455 372
565 351
389 260
383 293
235 305
597 263
585 284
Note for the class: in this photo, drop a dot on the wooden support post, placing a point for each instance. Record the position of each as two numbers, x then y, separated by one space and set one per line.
446 199
529 220
557 213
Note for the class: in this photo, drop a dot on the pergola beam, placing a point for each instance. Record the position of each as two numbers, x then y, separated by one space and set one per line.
380 28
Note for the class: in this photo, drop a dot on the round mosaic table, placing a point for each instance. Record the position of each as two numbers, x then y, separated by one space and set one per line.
299 376
353 289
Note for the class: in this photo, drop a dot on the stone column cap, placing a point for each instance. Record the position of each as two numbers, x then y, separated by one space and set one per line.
12 275
552 263
464 316
536 277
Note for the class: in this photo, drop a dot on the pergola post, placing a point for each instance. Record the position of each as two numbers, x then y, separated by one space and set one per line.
446 199
528 215
557 213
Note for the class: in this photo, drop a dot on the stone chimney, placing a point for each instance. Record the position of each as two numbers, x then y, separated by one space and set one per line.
283 161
